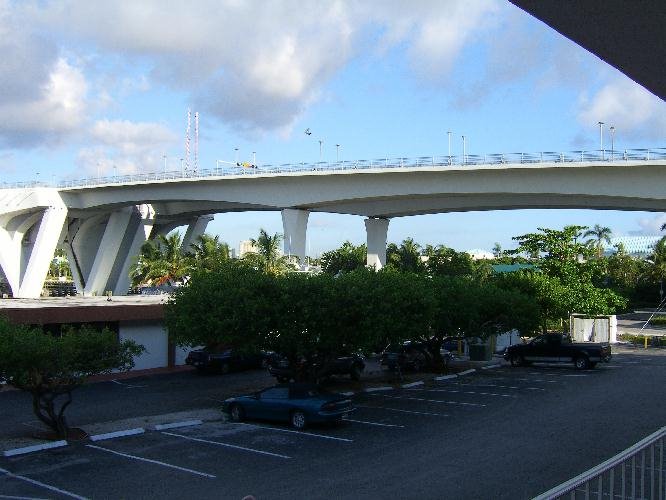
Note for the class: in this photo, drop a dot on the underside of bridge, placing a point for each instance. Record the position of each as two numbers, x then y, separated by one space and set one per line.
627 35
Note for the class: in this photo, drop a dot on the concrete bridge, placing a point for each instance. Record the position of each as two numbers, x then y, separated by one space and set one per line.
102 223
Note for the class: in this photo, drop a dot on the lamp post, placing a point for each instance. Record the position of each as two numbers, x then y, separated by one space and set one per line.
464 158
612 131
236 150
165 166
182 167
601 139
254 159
337 153
449 134
320 143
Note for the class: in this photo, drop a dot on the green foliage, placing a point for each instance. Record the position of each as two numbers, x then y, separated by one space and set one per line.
208 253
47 366
268 258
444 261
406 257
160 261
344 259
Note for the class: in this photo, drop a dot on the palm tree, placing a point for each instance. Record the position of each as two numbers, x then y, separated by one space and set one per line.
268 256
208 252
600 235
663 227
406 257
160 261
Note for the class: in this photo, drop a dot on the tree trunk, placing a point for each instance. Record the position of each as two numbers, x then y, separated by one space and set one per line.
44 408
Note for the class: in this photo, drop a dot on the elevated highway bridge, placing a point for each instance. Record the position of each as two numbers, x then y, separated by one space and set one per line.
101 223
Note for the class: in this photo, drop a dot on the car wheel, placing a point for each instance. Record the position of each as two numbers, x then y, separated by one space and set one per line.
355 372
225 368
237 413
581 363
298 420
517 360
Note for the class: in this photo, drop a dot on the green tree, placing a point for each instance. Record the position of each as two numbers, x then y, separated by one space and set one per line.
160 261
600 236
208 252
268 257
51 367
347 258
497 250
406 257
444 261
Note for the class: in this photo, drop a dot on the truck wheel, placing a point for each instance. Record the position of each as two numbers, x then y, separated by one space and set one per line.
517 360
355 372
298 420
581 363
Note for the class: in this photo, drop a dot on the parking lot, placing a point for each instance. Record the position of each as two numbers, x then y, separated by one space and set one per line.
460 437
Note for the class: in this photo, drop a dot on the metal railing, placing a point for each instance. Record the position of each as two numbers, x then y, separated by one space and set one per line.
610 156
637 472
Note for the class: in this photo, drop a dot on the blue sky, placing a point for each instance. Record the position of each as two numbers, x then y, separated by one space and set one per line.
89 86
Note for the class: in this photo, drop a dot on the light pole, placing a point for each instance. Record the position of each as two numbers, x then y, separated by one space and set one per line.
601 139
612 131
164 158
449 134
337 153
464 158
182 167
236 150
320 143
254 159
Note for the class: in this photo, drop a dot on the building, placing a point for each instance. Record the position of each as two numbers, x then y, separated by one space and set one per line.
636 246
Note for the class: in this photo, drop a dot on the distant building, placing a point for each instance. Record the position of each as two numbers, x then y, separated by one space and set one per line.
246 246
636 246
479 254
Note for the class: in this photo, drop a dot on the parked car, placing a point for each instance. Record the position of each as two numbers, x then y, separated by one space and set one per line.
298 404
409 355
558 348
225 360
315 369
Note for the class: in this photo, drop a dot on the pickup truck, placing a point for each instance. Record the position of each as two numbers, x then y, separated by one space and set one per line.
553 348
225 360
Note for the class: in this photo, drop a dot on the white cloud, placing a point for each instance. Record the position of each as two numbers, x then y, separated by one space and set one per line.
125 147
632 110
652 225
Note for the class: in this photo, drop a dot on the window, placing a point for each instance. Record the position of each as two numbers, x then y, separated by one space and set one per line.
276 393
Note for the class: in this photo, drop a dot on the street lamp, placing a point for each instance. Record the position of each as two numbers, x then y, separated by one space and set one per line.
337 153
449 134
612 131
601 139
464 158
182 167
320 143
236 150
254 159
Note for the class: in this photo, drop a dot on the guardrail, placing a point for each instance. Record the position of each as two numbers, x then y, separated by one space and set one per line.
637 472
649 154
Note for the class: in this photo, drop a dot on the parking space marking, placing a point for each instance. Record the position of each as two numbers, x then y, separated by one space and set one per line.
151 461
300 433
227 445
454 391
372 423
414 412
503 386
22 498
576 375
42 485
431 400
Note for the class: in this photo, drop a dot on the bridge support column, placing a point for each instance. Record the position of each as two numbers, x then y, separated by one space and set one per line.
376 230
195 228
141 225
295 225
27 245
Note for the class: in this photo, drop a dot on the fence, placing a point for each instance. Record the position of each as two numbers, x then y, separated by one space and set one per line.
637 472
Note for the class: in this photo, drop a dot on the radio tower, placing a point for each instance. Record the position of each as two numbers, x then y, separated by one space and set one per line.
187 139
196 141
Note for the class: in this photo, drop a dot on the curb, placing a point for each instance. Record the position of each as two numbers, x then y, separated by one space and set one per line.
117 434
37 447
413 384
375 389
489 367
446 377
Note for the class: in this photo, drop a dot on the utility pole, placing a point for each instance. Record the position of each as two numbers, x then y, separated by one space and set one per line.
601 139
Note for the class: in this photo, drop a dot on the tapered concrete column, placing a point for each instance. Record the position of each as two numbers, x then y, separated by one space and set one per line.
295 225
195 228
140 227
376 230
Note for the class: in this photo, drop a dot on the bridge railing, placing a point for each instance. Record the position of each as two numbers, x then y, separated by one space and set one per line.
226 170
637 472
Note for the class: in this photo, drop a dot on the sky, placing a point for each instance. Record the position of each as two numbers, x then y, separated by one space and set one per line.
93 87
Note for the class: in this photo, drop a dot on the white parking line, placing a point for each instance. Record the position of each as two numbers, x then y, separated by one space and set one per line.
300 433
503 386
430 400
22 498
226 445
42 485
577 375
414 412
151 461
372 423
473 392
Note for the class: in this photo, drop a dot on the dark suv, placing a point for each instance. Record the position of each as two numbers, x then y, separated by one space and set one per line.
316 368
225 360
406 356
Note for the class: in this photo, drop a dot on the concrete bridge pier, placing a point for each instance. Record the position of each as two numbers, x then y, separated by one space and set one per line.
376 229
195 228
295 224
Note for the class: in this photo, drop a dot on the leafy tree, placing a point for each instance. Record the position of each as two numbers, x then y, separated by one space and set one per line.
344 259
497 250
406 257
160 261
59 266
444 261
208 252
234 305
268 257
50 367
600 235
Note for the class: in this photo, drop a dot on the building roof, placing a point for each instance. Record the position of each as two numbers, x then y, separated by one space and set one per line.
633 245
65 310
